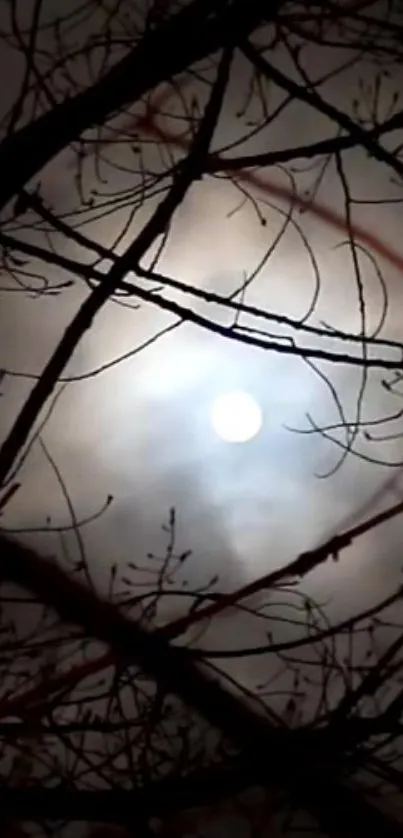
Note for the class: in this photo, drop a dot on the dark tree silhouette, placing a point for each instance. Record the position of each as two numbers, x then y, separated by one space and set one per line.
105 715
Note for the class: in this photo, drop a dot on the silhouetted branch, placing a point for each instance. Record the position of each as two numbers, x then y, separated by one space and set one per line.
311 98
83 320
195 32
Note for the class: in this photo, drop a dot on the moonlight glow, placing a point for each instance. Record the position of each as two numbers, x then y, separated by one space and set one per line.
236 417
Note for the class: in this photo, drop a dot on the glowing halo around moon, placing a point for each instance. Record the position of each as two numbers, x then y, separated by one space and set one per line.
236 417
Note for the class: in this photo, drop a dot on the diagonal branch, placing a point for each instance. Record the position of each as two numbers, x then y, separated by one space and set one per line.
156 226
34 202
312 98
171 666
306 761
196 31
331 145
299 567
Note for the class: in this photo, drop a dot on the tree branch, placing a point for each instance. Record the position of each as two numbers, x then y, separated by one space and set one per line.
304 760
286 155
195 32
312 98
189 171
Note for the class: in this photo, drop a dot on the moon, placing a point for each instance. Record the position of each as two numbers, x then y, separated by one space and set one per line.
236 417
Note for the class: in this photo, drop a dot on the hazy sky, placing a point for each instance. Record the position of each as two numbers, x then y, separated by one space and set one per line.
141 431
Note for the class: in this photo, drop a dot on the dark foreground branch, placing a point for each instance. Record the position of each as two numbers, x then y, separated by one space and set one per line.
196 31
154 227
306 762
341 814
171 666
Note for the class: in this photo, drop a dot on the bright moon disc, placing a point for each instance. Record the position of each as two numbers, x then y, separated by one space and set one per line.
236 417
